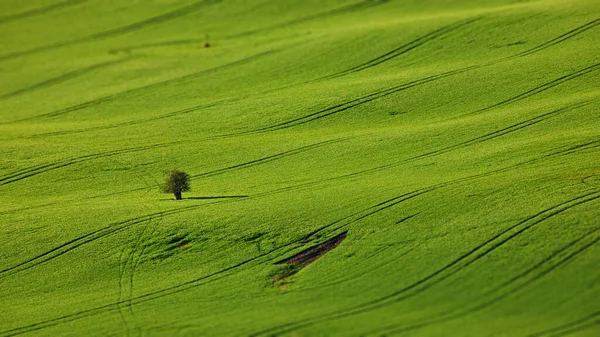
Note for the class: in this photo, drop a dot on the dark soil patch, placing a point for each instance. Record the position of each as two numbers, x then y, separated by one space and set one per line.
306 257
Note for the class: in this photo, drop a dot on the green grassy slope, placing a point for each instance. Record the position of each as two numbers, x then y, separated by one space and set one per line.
455 141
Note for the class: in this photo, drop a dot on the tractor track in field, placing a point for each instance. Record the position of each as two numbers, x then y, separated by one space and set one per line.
477 140
365 213
541 88
581 324
415 43
341 10
71 245
391 90
501 132
269 158
465 260
282 125
16 176
127 300
382 58
159 19
47 167
123 225
62 78
372 267
128 50
124 124
43 168
120 94
38 169
90 237
148 296
114 228
41 10
358 101
509 288
396 52
561 38
133 256
127 316
561 151
212 277
197 282
355 217
405 48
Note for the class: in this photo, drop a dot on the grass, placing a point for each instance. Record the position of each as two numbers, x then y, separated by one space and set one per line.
456 143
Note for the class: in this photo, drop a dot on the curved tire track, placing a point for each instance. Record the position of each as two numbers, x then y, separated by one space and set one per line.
159 19
358 101
463 261
574 326
90 237
541 88
117 95
268 256
434 35
342 10
502 132
516 284
43 168
62 78
561 38
40 11
269 158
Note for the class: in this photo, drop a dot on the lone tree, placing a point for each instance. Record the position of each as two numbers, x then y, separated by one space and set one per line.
177 182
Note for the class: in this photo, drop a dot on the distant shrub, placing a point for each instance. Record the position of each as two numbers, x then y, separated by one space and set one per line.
177 182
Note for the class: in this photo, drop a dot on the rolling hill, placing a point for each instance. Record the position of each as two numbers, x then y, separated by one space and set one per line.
358 168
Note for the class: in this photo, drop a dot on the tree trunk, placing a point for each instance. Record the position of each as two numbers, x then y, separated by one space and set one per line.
177 195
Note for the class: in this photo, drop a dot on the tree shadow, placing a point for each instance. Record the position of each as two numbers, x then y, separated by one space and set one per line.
218 197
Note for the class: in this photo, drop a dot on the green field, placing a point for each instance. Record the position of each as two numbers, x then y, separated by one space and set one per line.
456 143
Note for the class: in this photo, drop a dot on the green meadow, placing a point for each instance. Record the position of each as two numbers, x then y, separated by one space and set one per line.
455 144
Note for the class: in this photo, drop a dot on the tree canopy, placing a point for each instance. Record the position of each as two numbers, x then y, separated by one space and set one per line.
177 182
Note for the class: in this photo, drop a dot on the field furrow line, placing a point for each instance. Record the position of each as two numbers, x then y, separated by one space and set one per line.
138 299
296 121
462 262
372 210
90 237
120 94
43 168
172 15
222 273
500 132
159 19
434 35
122 311
561 38
67 247
509 288
269 158
581 324
541 88
40 11
342 10
358 101
84 105
62 78
562 151
171 290
126 284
